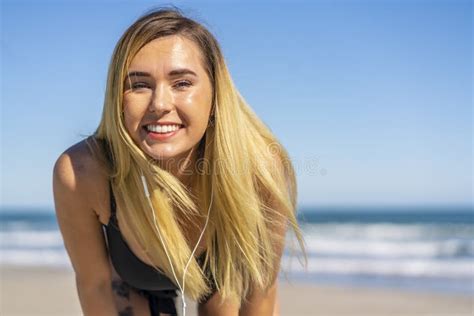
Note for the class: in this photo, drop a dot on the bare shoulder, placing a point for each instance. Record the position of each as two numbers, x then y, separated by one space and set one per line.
79 184
81 170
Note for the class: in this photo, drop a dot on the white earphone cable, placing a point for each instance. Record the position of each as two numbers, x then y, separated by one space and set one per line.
145 186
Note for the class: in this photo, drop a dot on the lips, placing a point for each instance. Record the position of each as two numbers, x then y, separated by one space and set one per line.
161 136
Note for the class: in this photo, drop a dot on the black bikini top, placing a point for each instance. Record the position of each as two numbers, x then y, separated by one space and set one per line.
131 268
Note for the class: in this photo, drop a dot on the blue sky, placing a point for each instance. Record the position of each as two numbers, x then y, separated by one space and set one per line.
372 99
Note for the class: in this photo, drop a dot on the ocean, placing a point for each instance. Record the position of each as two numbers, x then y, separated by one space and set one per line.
409 249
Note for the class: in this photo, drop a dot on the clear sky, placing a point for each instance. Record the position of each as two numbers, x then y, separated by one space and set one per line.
372 99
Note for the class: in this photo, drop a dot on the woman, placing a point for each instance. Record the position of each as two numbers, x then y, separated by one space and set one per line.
193 192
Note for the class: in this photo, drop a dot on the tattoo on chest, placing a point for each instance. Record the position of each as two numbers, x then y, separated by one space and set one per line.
122 289
126 312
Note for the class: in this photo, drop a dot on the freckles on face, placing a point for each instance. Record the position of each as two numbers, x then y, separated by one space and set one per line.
167 82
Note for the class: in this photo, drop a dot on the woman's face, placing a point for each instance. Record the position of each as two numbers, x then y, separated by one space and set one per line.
167 98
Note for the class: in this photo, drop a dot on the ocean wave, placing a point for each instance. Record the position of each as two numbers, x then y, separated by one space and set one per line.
38 257
450 248
402 267
389 231
31 239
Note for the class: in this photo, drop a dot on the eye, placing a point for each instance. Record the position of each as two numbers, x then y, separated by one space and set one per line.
183 84
139 85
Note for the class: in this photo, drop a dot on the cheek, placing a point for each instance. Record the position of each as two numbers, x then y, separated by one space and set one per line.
196 107
134 108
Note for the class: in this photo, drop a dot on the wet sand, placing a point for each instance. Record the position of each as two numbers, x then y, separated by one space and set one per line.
46 291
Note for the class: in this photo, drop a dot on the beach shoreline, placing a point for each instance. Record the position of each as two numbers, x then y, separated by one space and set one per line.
51 291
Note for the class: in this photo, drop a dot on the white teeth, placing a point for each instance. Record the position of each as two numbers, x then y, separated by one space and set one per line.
162 128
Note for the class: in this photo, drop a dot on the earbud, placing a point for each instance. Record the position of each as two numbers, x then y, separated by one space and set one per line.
147 193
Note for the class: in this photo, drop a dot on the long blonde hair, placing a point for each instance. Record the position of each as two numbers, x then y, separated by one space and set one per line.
247 167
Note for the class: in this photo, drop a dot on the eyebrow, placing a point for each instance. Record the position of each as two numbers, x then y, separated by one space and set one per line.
172 73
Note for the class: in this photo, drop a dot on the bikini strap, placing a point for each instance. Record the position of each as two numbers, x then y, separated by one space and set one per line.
113 206
113 215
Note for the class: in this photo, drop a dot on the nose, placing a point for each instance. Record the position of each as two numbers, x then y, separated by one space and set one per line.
161 100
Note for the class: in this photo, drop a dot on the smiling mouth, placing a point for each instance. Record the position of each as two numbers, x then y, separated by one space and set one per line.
162 134
165 129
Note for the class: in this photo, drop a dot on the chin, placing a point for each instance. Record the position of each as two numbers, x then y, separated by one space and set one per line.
163 153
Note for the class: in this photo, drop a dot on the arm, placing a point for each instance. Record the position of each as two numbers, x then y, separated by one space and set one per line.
266 303
258 303
263 306
212 307
82 234
261 303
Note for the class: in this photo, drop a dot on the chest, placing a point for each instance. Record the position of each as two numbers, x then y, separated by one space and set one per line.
191 229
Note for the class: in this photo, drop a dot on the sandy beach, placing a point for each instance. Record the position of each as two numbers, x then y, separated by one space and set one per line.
47 291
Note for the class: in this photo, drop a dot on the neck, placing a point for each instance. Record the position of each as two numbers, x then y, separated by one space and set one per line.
182 167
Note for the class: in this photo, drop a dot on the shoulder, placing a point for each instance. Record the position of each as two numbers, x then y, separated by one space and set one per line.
79 169
79 166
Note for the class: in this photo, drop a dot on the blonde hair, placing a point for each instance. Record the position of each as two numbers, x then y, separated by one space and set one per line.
247 167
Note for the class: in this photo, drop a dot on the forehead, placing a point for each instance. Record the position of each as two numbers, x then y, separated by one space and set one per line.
168 52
